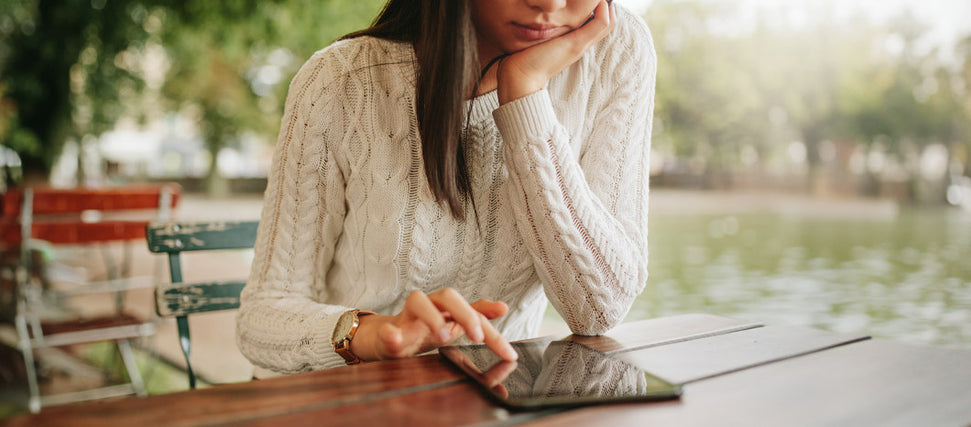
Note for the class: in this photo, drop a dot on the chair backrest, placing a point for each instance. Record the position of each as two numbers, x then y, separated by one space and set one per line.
179 299
82 215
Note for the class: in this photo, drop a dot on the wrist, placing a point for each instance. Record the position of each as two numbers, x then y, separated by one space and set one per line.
511 91
511 85
362 346
345 332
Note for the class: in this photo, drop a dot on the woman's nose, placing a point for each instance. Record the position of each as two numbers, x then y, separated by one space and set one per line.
546 6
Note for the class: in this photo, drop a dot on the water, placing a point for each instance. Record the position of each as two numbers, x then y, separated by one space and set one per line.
904 276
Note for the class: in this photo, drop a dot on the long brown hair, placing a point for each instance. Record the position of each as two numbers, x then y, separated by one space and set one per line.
445 46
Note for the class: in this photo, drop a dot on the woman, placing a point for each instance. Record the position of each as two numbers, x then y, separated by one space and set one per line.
407 181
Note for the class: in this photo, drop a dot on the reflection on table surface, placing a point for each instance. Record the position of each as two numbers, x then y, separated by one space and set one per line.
557 372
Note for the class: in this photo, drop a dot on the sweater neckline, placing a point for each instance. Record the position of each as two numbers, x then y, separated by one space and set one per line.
482 106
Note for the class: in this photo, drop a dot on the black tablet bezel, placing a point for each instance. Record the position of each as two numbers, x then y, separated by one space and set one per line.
456 354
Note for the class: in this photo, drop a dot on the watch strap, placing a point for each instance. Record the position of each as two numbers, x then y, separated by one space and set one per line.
343 346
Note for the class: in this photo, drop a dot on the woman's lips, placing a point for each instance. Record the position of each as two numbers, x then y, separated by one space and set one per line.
535 32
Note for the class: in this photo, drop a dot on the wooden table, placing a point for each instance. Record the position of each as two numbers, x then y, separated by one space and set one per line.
734 373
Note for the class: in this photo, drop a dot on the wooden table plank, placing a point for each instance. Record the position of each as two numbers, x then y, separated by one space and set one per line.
736 374
693 360
414 409
873 382
460 403
661 331
233 403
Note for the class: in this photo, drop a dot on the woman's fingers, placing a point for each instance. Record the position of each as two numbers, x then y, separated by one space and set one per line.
490 309
600 22
496 343
594 30
407 339
455 304
428 321
419 306
450 301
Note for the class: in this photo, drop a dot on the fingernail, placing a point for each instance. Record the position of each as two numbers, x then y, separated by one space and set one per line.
477 334
445 334
511 353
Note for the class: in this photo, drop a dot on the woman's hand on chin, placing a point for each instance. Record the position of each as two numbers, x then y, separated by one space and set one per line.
527 71
427 322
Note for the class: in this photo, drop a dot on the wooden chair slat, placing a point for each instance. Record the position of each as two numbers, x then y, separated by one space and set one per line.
107 328
124 319
176 237
71 233
58 201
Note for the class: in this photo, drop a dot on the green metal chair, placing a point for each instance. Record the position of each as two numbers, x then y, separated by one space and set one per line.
179 299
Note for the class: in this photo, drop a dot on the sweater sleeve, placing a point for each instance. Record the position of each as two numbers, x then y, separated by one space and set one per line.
282 324
585 217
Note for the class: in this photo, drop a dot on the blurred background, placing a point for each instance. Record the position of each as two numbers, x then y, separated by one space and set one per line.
811 160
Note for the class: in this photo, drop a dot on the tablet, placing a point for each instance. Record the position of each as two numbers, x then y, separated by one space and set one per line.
557 373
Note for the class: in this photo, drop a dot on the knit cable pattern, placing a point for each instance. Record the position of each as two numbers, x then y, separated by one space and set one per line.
560 180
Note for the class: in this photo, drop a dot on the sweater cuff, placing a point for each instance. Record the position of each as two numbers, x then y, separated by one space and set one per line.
328 358
529 117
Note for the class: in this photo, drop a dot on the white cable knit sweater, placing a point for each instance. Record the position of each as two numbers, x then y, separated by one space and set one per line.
560 180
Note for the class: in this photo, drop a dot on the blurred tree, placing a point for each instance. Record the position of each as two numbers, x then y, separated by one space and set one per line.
228 61
63 73
816 61
961 152
708 105
211 47
734 88
69 69
906 101
732 92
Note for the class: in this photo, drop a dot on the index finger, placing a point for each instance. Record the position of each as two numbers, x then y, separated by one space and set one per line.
496 343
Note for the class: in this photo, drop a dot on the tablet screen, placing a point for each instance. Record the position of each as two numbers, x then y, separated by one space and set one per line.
553 373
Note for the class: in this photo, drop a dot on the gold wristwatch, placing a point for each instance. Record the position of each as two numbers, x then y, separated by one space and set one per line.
343 334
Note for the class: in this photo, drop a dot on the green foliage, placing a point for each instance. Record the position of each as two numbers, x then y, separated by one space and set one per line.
216 48
63 72
704 115
725 90
74 68
160 377
726 85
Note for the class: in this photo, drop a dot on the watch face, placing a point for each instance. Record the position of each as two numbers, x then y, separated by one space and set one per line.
344 324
